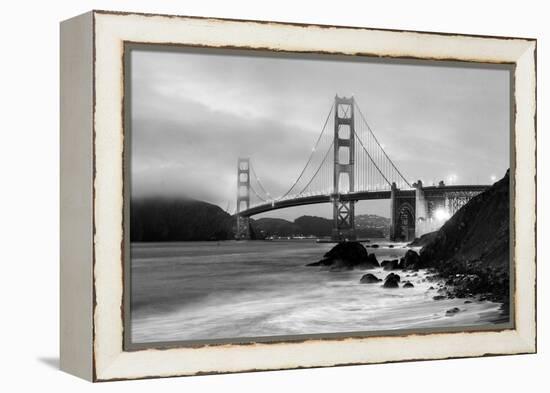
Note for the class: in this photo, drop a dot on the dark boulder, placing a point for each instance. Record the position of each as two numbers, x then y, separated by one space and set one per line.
391 284
392 264
394 276
347 256
452 311
392 281
408 284
353 252
411 260
369 263
439 297
369 279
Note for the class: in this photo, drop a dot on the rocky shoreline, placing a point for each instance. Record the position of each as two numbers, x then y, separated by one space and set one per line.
404 272
454 283
471 252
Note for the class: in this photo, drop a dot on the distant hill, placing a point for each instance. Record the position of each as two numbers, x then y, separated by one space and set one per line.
275 227
163 219
368 222
368 226
316 226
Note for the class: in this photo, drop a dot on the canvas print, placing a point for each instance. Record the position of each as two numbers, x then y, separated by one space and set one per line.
279 195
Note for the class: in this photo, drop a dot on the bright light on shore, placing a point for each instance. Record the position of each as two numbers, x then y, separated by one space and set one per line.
442 215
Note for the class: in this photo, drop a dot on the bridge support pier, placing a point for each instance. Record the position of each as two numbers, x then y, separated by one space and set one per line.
242 231
344 220
421 211
344 169
243 228
393 206
402 213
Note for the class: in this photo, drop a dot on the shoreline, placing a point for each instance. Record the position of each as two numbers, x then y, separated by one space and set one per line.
465 285
194 291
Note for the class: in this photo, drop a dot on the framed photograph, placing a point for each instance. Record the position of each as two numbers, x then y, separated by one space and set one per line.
248 195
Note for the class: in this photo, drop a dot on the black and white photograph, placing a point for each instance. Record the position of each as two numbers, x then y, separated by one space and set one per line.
279 195
208 196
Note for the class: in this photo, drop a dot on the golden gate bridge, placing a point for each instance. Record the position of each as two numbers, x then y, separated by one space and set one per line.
348 164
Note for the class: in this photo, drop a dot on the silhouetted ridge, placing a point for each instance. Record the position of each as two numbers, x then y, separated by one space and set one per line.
158 220
371 226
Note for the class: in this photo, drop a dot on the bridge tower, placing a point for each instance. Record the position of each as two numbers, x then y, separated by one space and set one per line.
243 198
344 169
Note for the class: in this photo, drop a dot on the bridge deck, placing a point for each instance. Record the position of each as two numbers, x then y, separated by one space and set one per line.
356 196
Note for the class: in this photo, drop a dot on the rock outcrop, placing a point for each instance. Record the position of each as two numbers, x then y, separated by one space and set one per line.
392 281
369 279
423 240
369 263
347 256
471 251
392 264
411 260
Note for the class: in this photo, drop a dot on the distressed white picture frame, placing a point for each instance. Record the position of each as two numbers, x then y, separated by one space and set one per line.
92 195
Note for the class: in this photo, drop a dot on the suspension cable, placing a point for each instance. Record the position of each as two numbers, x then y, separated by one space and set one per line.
378 143
311 154
368 155
255 193
317 171
267 194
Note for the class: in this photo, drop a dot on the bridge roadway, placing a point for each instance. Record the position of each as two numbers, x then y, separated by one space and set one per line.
356 196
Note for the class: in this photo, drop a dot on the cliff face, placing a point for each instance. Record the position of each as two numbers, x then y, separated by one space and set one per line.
178 220
476 240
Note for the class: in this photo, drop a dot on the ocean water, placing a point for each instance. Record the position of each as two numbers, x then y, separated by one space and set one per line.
208 290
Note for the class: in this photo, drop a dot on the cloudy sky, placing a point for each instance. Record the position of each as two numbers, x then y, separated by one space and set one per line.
194 113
